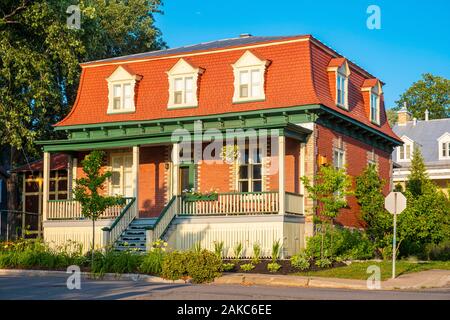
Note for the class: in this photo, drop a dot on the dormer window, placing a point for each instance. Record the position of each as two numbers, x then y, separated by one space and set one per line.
249 73
444 146
404 152
372 98
183 79
339 70
121 85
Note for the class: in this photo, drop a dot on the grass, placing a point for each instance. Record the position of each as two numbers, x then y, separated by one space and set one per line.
357 270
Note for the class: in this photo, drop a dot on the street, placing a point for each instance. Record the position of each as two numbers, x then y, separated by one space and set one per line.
54 287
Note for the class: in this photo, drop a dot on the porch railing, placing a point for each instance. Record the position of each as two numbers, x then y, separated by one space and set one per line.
71 210
121 223
157 230
233 204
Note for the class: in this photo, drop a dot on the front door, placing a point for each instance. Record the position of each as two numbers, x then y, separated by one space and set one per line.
187 177
122 175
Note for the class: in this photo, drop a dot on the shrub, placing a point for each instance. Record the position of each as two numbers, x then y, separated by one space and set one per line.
439 251
273 267
247 267
347 244
276 250
323 263
256 253
197 247
300 261
174 265
237 250
152 261
118 262
228 267
203 266
218 248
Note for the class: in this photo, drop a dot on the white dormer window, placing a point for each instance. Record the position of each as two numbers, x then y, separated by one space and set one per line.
444 146
404 152
183 79
249 73
374 89
121 85
340 67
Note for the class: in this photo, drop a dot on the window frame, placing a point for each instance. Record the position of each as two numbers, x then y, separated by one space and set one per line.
183 70
444 140
403 150
250 165
341 77
341 155
122 77
377 107
122 171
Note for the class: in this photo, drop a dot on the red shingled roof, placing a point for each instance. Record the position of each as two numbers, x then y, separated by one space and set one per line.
296 76
336 62
369 83
58 161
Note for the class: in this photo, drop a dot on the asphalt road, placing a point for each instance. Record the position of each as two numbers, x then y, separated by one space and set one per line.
54 287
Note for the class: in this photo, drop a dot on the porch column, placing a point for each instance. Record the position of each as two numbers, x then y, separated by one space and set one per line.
135 172
281 174
176 164
45 186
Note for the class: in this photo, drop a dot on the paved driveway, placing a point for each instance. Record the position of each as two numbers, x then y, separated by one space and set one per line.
54 287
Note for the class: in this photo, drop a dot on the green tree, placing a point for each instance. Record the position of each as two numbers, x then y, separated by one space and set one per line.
392 116
40 56
329 191
369 194
431 92
418 177
88 191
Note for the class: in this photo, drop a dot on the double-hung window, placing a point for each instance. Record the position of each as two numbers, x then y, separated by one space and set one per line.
445 149
183 85
250 171
338 158
249 73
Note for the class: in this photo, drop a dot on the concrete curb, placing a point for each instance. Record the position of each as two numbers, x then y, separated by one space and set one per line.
419 280
87 275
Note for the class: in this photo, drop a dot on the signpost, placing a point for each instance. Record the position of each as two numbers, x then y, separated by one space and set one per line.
395 203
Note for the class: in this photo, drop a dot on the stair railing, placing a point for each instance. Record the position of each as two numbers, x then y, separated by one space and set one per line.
157 230
120 224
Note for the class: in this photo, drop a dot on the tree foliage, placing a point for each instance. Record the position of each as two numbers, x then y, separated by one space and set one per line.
418 178
329 191
369 194
431 92
40 56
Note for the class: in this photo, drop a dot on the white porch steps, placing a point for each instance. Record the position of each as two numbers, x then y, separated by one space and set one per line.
134 237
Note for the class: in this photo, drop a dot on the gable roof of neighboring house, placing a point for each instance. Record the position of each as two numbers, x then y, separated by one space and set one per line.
425 134
297 76
58 161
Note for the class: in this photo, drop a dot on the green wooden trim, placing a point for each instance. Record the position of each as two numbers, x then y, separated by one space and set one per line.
120 216
163 212
230 114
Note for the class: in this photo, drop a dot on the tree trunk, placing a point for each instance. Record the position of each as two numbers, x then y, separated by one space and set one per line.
93 245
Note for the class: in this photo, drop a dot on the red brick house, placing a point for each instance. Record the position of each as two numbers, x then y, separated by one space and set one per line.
321 107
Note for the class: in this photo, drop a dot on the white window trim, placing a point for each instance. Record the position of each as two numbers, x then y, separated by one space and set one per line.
251 162
248 62
445 138
122 170
341 151
183 69
121 77
344 72
406 141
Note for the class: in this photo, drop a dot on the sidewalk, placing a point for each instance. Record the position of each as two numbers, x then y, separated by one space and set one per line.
410 281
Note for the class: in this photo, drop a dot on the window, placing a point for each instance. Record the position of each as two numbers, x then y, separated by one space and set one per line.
444 146
122 175
122 97
341 86
338 158
250 171
183 78
374 108
183 91
404 152
249 78
121 84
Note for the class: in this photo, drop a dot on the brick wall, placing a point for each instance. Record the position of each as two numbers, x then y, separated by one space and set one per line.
356 155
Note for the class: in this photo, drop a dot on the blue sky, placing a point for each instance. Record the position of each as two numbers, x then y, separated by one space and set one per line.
414 37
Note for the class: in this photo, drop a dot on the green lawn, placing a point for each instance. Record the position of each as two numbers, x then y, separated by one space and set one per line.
357 270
